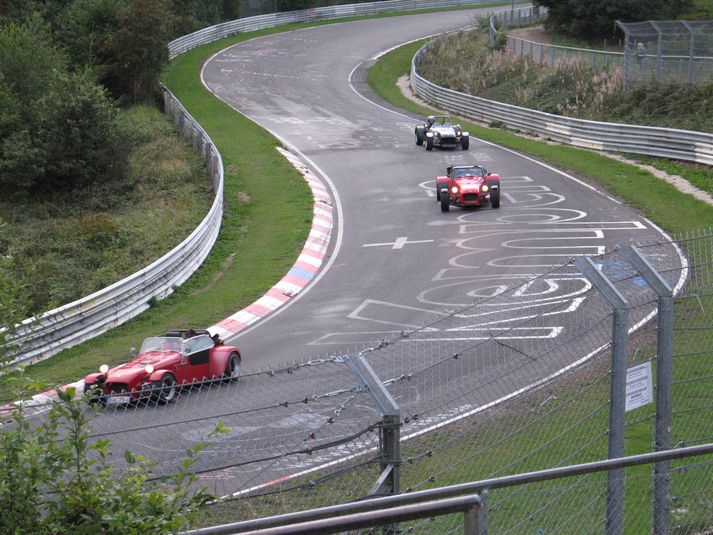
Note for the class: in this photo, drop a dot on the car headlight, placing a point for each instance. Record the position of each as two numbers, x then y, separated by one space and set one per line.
485 187
148 369
454 189
103 368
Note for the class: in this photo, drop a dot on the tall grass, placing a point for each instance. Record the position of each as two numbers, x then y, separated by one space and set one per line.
466 63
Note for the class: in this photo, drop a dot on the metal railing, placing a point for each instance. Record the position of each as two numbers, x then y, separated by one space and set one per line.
259 22
76 322
648 140
404 507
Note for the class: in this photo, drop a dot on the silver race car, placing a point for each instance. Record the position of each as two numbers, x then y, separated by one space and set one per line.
439 131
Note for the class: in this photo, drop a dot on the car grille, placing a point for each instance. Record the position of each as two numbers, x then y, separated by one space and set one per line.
470 197
115 388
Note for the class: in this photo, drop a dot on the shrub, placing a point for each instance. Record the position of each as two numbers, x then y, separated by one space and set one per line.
53 479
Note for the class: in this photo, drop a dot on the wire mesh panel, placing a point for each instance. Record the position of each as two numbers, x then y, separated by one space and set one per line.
673 51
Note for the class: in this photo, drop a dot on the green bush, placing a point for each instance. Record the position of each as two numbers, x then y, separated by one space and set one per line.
59 127
54 480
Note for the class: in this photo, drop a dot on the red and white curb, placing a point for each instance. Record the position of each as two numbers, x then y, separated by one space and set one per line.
300 275
302 272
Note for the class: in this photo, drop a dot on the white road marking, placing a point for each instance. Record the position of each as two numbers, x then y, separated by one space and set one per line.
398 244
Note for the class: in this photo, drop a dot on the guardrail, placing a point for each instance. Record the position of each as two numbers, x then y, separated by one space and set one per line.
648 140
71 324
226 29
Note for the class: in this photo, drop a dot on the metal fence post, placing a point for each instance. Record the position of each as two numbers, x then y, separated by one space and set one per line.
664 378
483 512
617 400
389 481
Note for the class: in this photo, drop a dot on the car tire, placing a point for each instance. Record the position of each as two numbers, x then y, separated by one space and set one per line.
232 368
445 201
429 143
495 198
438 193
465 142
419 137
166 390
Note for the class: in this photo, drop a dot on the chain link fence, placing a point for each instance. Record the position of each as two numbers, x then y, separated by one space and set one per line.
667 51
515 380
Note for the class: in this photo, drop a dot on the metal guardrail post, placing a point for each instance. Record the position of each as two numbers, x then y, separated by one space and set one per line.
617 400
471 521
664 378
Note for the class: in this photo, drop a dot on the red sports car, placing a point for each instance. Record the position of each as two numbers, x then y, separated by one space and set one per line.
467 186
164 365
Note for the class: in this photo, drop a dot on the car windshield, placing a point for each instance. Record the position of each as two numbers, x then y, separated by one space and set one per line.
443 121
163 344
468 171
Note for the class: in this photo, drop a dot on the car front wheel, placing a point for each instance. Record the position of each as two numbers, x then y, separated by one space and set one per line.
232 368
166 390
495 198
429 143
465 142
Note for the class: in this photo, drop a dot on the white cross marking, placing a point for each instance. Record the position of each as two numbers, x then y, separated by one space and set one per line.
398 244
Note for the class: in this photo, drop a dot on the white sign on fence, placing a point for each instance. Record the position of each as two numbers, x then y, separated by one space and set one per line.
639 386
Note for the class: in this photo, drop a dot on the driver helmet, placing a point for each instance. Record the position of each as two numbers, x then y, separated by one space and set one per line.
431 119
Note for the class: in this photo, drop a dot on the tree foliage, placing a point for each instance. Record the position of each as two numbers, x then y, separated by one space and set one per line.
124 43
140 51
584 18
59 127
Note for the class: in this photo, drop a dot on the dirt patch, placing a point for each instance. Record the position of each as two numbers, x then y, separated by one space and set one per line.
404 84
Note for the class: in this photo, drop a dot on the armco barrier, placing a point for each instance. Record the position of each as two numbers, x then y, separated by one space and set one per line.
652 141
90 316
76 322
249 24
